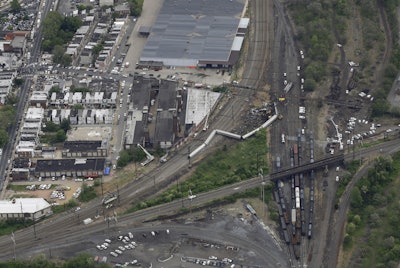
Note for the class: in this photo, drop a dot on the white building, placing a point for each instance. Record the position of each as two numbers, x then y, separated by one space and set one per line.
24 208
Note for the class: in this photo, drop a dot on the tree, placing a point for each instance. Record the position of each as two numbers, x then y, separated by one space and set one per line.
65 125
3 138
15 6
66 60
55 89
356 199
380 107
309 85
58 53
60 136
18 82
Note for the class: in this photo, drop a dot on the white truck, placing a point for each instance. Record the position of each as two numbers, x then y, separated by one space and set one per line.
87 221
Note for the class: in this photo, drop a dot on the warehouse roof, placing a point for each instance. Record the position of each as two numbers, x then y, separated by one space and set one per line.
199 30
23 205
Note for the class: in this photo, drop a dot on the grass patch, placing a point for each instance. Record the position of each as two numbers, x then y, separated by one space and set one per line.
11 225
17 188
65 207
239 162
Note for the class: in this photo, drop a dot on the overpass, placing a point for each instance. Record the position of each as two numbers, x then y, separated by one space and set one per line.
337 159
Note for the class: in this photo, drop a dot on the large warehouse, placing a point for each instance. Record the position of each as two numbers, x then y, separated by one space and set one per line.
206 33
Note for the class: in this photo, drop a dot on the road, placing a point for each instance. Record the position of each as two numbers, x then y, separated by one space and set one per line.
22 101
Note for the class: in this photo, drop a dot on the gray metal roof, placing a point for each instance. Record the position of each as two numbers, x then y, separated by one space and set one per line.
199 30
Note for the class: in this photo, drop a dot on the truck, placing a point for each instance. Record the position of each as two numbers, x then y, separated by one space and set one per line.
87 221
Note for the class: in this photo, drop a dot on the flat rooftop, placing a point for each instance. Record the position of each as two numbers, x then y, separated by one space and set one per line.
193 30
199 104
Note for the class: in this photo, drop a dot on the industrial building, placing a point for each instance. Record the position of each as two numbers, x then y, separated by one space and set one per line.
24 208
207 33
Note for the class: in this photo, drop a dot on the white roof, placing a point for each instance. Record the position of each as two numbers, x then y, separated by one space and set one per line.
23 205
199 104
244 23
237 43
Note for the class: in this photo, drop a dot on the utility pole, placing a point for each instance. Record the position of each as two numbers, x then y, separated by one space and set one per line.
190 164
262 189
34 225
101 183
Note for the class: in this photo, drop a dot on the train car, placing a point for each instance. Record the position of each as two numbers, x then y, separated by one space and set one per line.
295 149
276 196
303 228
283 205
251 209
286 237
298 237
286 217
296 251
294 216
301 179
298 221
309 231
283 223
297 181
280 211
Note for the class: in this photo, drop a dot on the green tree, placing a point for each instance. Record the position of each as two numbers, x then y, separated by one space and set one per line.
18 82
3 138
58 53
356 199
309 84
66 60
51 127
60 136
380 107
65 125
15 6
56 89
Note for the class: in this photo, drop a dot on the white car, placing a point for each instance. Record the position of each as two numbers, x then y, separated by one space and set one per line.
130 235
107 241
113 254
118 251
99 247
122 248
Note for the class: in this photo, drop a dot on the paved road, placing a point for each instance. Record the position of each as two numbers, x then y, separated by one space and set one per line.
22 101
